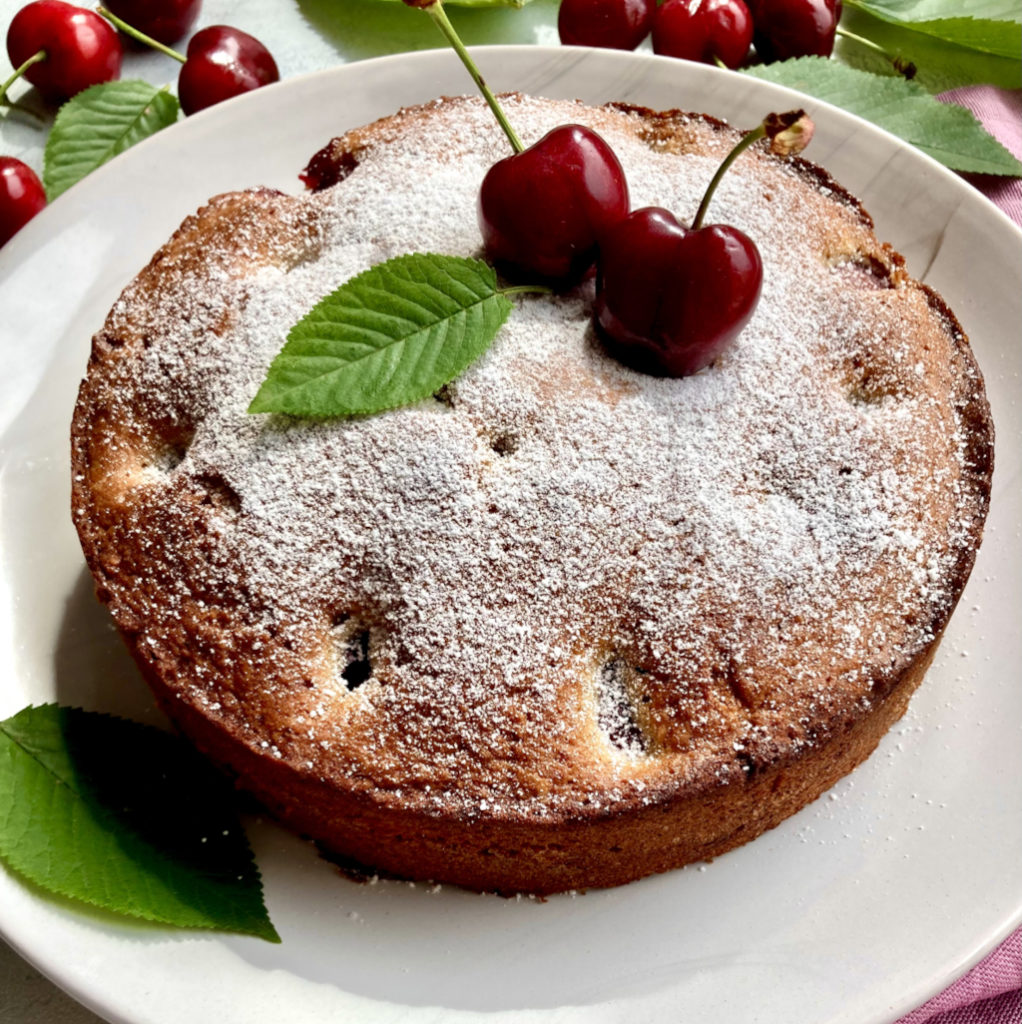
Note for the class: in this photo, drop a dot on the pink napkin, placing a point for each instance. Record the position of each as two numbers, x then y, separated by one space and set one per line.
1000 111
991 993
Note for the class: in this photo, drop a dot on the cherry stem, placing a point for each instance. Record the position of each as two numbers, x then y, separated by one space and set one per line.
436 11
525 289
139 36
905 68
747 140
18 72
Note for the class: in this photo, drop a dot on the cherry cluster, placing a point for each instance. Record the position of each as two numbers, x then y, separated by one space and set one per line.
669 298
712 31
63 49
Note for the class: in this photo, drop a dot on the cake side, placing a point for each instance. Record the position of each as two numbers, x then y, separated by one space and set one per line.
564 625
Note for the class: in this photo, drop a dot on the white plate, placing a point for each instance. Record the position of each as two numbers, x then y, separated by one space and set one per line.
855 910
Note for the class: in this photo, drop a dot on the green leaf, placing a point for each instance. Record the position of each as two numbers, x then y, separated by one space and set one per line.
99 123
389 337
992 27
948 133
127 818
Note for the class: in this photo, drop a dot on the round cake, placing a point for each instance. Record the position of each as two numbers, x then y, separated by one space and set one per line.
563 624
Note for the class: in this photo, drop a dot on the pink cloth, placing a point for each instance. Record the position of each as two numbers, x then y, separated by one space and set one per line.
991 993
1000 111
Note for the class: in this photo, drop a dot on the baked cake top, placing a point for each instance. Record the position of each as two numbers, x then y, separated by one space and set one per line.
560 586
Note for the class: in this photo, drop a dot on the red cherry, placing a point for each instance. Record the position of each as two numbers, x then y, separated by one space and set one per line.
794 28
542 211
669 299
704 30
21 196
166 21
81 48
611 24
223 62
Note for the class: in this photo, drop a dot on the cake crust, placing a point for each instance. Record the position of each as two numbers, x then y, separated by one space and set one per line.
563 625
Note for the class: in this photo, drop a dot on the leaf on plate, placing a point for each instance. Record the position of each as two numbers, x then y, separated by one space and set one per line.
127 818
948 133
391 336
99 123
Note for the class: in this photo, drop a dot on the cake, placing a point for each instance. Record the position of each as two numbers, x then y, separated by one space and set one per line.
563 624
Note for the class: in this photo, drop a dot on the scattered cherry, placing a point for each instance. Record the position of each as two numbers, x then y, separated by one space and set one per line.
794 28
704 30
222 62
78 48
542 211
166 21
610 24
670 299
21 196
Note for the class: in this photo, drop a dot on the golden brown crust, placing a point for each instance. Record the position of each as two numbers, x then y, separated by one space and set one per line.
635 737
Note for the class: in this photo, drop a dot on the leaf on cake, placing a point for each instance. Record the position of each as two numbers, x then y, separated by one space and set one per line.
944 131
391 336
126 818
99 123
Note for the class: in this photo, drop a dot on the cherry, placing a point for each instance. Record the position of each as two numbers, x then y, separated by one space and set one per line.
670 299
21 196
704 30
223 62
611 24
62 49
166 21
543 210
794 28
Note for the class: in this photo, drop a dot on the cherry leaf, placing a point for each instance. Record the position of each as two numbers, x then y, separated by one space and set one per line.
391 336
99 123
948 133
992 26
126 818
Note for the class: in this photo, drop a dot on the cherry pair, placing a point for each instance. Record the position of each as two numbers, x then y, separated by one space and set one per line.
669 299
62 49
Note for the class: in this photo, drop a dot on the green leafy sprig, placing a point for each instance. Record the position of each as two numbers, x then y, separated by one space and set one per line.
391 336
125 818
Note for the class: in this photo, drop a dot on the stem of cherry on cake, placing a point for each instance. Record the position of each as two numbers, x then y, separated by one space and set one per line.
435 9
789 133
140 37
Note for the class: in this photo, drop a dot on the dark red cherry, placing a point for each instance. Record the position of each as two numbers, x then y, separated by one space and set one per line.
611 24
166 21
542 211
21 196
794 28
81 48
669 299
222 62
704 30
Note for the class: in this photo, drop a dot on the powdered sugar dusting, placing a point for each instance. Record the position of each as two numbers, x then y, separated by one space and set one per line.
749 549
